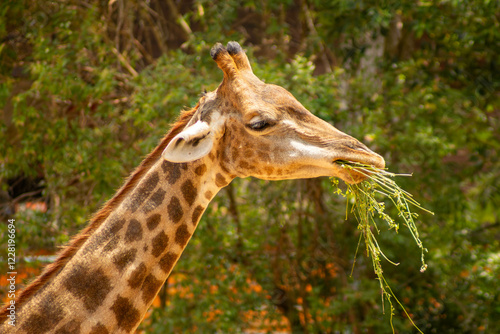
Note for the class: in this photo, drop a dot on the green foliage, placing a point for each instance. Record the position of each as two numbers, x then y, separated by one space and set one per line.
86 92
367 210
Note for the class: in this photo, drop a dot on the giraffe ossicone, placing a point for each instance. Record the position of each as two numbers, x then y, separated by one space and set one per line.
107 277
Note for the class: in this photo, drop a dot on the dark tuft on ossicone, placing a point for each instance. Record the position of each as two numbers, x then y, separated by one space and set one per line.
233 48
216 49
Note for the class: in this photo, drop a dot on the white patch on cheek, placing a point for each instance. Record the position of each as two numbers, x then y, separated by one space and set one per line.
306 150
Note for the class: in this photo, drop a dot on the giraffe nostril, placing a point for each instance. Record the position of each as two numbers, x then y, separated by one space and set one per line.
358 146
363 148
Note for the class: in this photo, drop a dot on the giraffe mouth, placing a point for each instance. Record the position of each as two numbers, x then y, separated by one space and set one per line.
358 163
353 172
348 176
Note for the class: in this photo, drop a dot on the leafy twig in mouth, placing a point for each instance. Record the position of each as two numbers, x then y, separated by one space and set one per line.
366 207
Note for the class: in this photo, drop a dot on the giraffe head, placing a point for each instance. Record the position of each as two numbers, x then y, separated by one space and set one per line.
261 130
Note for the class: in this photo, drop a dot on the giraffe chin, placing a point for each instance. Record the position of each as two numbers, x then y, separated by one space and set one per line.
352 177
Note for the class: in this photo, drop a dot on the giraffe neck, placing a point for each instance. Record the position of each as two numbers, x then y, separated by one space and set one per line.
110 282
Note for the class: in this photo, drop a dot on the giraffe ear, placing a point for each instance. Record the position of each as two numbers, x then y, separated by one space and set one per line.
191 144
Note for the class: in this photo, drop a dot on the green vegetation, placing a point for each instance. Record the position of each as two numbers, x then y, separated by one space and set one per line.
366 208
87 88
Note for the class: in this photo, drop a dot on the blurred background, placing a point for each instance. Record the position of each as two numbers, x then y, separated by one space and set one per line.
88 88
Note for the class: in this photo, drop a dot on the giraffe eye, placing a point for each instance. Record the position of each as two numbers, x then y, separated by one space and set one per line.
258 126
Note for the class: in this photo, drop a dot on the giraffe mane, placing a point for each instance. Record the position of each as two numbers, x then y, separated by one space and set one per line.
98 218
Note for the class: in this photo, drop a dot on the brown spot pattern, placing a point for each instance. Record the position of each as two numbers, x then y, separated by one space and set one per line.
159 243
124 258
153 221
154 201
91 287
71 327
109 231
115 225
172 171
167 261
208 195
150 288
200 170
137 276
234 153
220 181
126 314
134 231
244 165
196 214
111 244
46 318
174 209
99 329
248 153
189 191
269 170
182 235
263 156
141 194
224 168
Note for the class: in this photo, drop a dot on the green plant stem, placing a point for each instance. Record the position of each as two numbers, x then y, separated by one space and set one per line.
365 207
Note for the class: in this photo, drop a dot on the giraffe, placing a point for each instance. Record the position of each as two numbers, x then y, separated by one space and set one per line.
107 277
